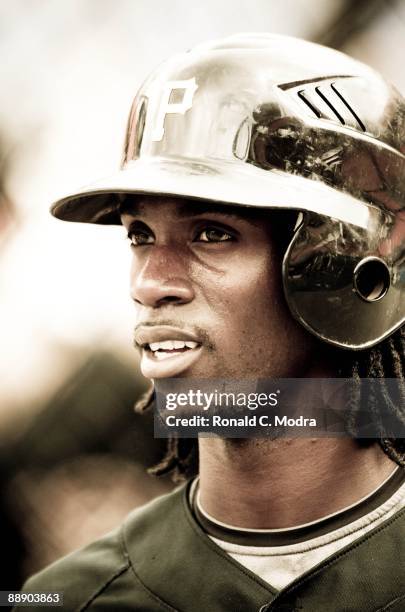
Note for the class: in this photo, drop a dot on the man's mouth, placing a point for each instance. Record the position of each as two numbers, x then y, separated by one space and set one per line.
168 348
166 351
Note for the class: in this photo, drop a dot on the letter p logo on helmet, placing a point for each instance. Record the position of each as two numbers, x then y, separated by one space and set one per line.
166 106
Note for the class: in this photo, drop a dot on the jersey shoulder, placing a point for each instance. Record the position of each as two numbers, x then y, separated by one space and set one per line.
102 573
81 575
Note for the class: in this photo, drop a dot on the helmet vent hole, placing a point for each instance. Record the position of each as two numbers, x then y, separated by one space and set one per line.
314 109
329 103
345 102
371 279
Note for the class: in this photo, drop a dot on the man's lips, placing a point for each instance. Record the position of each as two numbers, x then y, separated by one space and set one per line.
146 335
166 350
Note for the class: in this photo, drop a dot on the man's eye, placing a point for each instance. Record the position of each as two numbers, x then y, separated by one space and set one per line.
140 238
214 234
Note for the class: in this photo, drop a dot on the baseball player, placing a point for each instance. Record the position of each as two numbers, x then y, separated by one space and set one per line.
262 190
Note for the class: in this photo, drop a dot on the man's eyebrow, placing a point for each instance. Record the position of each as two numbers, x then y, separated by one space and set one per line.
192 208
129 206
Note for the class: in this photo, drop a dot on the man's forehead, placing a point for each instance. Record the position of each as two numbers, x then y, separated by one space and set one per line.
144 206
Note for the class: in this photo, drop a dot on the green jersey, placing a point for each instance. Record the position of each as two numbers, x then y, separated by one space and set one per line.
160 559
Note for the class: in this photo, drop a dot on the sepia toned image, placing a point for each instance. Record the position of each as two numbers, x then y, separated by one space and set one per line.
210 197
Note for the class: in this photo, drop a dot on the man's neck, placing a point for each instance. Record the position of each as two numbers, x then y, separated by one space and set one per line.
262 484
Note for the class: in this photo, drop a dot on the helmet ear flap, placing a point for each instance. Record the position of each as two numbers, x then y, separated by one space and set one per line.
338 285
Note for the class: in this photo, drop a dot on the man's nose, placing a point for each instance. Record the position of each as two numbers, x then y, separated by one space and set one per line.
161 279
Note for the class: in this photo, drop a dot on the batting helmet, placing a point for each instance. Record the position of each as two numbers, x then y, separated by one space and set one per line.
276 122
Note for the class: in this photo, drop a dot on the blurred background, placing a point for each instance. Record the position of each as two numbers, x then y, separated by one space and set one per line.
73 453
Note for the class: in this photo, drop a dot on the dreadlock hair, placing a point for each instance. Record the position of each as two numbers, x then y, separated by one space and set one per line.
385 360
181 458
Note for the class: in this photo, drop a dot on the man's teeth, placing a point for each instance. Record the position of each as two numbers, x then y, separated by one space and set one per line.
169 345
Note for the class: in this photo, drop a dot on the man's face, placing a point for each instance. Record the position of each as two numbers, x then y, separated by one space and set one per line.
206 282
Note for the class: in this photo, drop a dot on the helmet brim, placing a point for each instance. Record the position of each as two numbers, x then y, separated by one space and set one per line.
219 181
